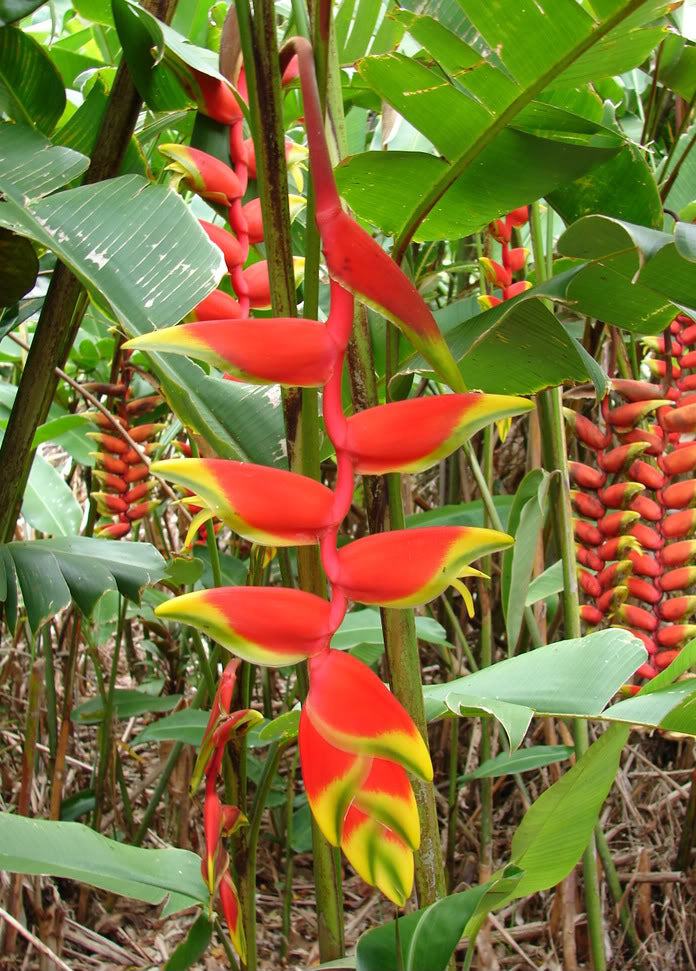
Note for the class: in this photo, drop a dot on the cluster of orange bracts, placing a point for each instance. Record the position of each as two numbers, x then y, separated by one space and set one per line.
634 499
121 473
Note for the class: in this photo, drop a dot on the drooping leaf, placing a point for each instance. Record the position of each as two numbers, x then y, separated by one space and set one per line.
128 220
49 504
514 718
524 760
31 91
19 267
481 348
51 573
574 677
128 703
193 946
657 266
77 852
557 827
187 725
13 10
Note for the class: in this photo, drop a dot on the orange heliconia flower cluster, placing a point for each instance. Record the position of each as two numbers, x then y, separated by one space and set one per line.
634 497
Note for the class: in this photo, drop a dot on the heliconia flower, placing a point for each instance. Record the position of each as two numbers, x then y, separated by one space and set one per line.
644 565
378 855
679 554
588 558
588 506
647 475
614 573
515 289
227 242
646 671
112 530
589 583
284 350
675 634
496 274
658 369
647 508
591 614
295 156
109 504
412 435
407 567
681 420
262 504
688 335
214 97
204 174
680 579
636 617
642 590
253 215
232 911
515 259
648 537
678 462
586 430
658 344
612 598
256 277
664 658
331 778
653 437
687 383
487 300
630 414
619 546
620 494
619 458
272 626
218 305
110 480
139 491
587 533
350 707
586 476
636 390
677 608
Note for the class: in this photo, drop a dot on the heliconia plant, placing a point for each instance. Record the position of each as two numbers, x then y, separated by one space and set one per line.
635 549
356 741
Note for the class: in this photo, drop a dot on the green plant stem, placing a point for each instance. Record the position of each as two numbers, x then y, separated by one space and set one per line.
105 734
556 460
247 879
454 620
401 646
226 946
615 888
65 302
51 708
289 856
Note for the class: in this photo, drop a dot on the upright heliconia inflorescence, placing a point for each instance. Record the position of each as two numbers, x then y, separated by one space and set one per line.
357 743
634 498
123 476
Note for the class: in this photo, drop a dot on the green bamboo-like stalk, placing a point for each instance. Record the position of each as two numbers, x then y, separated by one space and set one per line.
486 785
556 459
300 407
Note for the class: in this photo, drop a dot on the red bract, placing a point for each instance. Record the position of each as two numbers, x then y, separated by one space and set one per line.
264 625
303 350
376 442
203 173
412 566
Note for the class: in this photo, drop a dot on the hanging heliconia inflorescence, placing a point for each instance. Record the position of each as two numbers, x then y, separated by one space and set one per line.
122 475
357 743
634 498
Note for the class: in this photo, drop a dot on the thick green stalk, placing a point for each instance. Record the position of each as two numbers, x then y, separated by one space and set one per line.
553 435
401 645
65 303
486 785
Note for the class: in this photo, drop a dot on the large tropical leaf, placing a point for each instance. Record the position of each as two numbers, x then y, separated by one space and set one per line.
77 852
526 49
31 91
51 573
657 267
136 247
